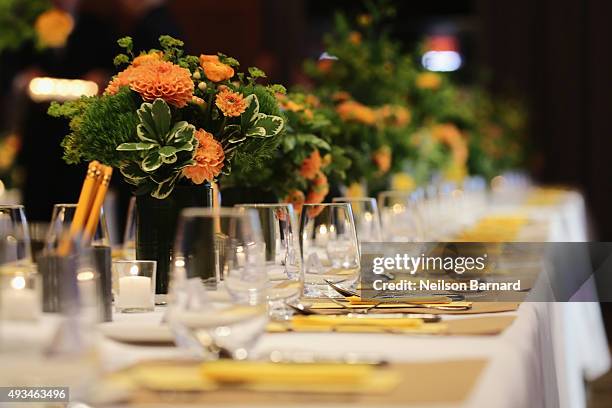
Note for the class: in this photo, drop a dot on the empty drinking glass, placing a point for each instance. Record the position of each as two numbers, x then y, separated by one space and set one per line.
283 258
367 218
402 216
329 247
217 302
15 245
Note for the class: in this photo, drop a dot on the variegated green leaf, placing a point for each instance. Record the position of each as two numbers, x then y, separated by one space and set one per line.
185 147
129 147
152 161
167 151
164 189
272 124
170 159
154 121
249 116
256 131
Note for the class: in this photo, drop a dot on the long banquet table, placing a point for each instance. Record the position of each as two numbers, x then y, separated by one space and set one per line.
541 360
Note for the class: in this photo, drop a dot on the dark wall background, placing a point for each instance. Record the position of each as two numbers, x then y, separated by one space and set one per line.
557 54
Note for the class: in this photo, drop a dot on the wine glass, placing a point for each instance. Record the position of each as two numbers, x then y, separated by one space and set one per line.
217 300
329 247
282 255
367 218
402 215
15 244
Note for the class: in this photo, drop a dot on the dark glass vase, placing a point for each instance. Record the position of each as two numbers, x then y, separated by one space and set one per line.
156 226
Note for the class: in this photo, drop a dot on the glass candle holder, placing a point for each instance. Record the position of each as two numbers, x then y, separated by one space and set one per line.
20 298
134 286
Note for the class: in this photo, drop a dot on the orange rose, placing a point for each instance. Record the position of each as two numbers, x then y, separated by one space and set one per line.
311 165
209 157
382 158
214 69
53 27
230 103
144 59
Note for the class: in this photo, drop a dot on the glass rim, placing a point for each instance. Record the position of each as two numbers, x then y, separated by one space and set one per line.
12 206
326 204
65 205
350 199
212 212
263 205
134 261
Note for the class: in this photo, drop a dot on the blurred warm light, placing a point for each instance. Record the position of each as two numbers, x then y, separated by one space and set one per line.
43 89
134 270
18 283
85 276
443 61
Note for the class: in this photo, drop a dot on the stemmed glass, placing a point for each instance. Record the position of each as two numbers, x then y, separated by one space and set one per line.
283 258
329 247
217 300
402 216
15 245
366 216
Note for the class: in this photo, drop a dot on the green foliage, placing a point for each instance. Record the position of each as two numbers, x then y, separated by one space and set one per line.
98 126
153 142
17 18
163 148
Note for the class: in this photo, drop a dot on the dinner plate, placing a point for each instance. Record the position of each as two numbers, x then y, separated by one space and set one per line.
136 332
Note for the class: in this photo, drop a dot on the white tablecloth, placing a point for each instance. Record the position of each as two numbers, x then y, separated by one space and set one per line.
540 361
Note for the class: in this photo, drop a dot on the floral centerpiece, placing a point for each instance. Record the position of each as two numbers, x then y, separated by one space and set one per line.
172 123
364 77
306 161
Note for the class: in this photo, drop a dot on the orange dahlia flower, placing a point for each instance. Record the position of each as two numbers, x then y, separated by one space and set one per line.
230 103
428 80
320 184
382 158
53 27
209 158
156 79
354 38
448 134
295 198
356 112
214 69
311 165
395 115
